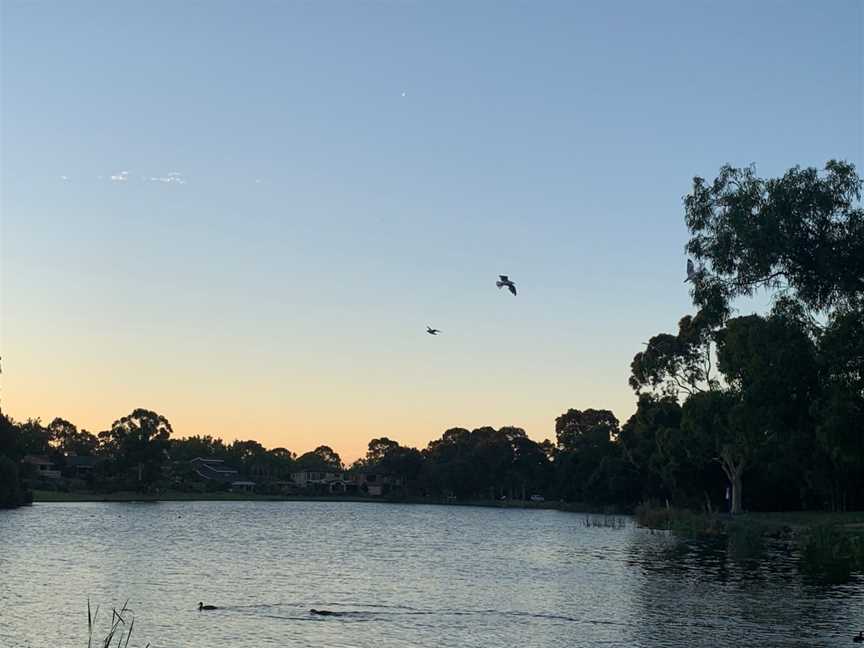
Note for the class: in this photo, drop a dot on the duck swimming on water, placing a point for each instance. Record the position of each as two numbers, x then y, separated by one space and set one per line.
201 606
859 638
323 612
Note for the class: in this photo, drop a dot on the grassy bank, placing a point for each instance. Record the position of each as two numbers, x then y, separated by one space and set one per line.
770 524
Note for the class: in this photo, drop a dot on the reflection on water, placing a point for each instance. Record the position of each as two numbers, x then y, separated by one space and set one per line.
398 576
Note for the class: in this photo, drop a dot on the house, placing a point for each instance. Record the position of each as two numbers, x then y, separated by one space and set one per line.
42 467
80 467
214 470
377 484
242 486
315 478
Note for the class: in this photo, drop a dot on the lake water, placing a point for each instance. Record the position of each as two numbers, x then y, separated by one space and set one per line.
402 575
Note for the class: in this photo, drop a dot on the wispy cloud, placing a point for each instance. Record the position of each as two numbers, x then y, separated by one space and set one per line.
172 178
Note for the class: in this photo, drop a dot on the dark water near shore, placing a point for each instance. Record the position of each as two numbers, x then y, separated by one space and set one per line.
401 576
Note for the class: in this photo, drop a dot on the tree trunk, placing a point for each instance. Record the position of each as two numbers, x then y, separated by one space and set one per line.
708 508
733 473
737 487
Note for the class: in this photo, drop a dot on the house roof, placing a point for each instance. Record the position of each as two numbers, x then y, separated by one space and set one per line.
83 462
37 459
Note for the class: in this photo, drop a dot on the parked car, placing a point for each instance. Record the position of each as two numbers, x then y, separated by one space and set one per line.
538 498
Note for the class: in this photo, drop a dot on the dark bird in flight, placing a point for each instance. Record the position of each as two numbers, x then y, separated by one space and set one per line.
201 606
432 331
691 271
503 280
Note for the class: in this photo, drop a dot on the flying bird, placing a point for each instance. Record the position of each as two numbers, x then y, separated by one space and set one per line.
503 280
691 271
432 331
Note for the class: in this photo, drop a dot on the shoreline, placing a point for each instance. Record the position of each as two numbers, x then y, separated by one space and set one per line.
766 522
56 497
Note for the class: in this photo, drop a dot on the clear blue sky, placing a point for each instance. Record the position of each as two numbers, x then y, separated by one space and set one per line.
354 171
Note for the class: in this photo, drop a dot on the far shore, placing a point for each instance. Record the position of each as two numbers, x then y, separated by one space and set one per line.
43 496
768 521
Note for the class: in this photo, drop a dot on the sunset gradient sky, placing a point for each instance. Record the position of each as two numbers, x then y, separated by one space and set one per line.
309 184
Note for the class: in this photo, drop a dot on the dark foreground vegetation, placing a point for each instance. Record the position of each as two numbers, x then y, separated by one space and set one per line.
758 412
829 546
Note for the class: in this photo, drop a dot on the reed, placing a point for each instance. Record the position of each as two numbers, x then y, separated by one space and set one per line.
830 555
117 629
605 521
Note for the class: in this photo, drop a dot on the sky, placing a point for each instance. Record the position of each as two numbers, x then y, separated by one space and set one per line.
243 215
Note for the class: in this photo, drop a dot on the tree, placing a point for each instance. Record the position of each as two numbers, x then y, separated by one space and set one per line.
280 462
139 440
651 444
839 411
802 233
323 459
585 439
770 364
33 438
672 365
714 428
11 493
9 438
68 439
531 468
801 238
188 448
574 429
378 450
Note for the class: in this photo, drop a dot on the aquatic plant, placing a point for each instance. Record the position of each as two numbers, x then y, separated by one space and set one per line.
830 555
651 517
745 541
117 629
605 521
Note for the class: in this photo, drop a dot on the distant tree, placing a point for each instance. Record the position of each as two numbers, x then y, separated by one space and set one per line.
531 469
585 439
140 441
68 439
652 445
323 458
10 445
11 493
206 446
379 449
33 438
280 462
575 428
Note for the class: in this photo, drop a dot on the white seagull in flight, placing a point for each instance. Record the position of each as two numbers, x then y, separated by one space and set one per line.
503 280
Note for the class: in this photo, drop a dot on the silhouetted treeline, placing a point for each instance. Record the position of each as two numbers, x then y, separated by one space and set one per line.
761 412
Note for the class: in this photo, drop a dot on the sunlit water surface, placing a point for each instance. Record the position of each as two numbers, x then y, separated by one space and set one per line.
400 575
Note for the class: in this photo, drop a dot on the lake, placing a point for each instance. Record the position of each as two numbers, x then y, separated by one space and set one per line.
402 575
